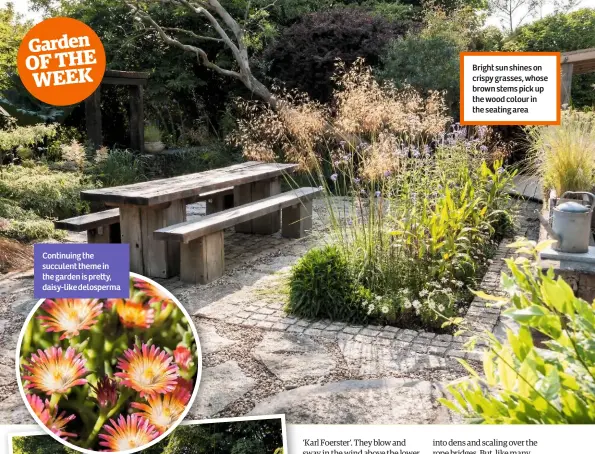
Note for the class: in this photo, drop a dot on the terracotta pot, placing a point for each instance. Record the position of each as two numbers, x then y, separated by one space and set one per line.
154 147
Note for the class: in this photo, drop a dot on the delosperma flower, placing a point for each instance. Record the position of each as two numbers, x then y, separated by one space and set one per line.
163 410
109 374
106 393
39 407
148 370
127 433
155 294
134 314
54 371
183 357
55 423
70 316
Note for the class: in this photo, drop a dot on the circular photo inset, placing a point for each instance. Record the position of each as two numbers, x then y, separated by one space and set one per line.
114 375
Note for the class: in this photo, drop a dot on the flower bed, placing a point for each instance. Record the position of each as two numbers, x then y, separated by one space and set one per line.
426 208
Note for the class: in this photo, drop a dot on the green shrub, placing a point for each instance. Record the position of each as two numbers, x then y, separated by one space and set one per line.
119 167
49 194
523 384
30 230
322 286
25 225
23 141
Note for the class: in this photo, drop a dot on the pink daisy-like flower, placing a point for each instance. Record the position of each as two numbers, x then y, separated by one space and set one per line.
53 371
40 408
127 433
183 357
163 410
70 316
134 314
155 294
55 423
148 370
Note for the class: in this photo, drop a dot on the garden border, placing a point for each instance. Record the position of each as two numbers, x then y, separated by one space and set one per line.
270 316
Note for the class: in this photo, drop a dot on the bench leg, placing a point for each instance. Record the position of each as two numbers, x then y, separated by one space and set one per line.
220 203
264 225
148 256
202 260
297 220
99 235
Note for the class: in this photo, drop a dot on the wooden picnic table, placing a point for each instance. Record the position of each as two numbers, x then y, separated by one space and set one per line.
152 205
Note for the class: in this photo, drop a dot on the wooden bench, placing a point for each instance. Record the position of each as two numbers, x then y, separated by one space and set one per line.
201 248
104 226
101 227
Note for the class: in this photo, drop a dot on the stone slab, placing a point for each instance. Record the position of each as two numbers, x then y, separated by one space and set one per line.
383 401
220 386
292 357
568 258
210 340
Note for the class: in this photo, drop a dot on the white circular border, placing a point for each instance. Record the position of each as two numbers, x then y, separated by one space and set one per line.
129 451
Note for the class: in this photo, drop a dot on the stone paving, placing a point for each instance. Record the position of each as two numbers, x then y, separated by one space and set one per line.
258 360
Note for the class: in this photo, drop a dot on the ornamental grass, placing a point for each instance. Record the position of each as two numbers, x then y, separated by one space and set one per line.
109 374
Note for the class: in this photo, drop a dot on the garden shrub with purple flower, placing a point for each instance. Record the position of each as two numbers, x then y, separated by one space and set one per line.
415 205
113 374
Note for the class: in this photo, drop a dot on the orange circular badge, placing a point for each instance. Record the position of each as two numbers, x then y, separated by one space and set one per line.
61 61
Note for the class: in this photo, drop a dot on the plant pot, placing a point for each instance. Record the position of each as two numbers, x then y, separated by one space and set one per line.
154 147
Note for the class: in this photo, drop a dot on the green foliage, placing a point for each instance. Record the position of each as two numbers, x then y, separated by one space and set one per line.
24 141
561 32
49 194
322 286
12 31
429 60
118 167
247 447
152 134
523 384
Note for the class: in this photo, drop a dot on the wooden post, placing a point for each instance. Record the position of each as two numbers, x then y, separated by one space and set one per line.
297 220
93 118
137 118
264 225
99 235
566 85
202 260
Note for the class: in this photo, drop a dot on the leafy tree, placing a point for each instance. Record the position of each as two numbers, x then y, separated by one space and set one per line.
562 32
305 55
12 30
429 60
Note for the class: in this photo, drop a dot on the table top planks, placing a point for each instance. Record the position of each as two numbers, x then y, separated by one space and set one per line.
166 190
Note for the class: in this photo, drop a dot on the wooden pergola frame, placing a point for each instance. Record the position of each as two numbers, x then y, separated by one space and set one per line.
576 62
136 82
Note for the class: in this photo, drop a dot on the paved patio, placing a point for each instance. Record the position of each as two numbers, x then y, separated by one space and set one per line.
258 360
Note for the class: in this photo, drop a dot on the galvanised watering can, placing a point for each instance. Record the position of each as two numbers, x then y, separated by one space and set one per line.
571 224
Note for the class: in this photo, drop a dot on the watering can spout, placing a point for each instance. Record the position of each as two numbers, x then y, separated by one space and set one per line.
546 226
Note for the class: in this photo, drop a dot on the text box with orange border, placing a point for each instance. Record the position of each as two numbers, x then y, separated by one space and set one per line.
554 109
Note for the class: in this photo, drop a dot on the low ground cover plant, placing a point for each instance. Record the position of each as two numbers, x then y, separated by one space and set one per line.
422 206
524 384
109 374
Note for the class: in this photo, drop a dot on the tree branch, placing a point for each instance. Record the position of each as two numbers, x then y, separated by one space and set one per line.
192 34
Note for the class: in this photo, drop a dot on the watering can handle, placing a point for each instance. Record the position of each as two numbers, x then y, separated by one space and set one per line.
588 194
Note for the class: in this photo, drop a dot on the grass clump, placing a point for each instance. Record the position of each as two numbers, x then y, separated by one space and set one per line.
564 156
